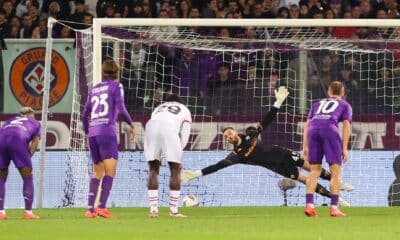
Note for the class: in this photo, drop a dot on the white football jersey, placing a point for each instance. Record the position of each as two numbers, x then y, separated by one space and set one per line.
173 113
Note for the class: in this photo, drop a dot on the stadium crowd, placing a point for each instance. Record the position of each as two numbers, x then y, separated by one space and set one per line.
27 19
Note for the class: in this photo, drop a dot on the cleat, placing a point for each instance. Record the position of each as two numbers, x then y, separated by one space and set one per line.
346 187
310 211
343 203
335 212
103 212
28 216
154 214
177 215
3 216
90 214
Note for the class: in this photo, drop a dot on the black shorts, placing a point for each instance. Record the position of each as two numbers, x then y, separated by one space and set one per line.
284 162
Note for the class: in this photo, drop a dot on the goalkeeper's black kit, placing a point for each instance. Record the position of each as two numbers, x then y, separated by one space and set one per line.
250 151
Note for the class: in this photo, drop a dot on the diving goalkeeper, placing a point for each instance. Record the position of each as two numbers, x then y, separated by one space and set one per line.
248 150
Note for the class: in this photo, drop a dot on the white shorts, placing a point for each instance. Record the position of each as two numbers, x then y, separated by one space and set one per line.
160 140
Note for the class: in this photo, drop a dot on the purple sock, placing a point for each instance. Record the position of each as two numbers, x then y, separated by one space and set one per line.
93 188
28 192
334 200
2 192
105 190
309 198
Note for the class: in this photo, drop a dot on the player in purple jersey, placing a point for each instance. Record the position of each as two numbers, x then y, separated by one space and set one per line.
321 137
104 104
19 138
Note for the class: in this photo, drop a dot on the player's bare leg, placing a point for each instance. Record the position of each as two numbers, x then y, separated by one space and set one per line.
154 169
98 173
110 169
311 185
28 192
335 189
3 179
326 175
175 189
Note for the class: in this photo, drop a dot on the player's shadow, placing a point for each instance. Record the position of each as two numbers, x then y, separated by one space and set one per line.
394 189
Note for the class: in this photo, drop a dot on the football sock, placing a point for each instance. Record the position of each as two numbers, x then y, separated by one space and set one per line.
93 188
310 198
106 186
2 192
322 191
174 200
326 175
28 192
153 199
334 200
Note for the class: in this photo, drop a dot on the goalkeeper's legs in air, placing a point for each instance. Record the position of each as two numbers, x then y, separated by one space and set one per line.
154 169
28 191
325 174
174 189
3 179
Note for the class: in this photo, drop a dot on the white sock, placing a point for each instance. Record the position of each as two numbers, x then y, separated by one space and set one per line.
28 211
153 199
3 211
174 200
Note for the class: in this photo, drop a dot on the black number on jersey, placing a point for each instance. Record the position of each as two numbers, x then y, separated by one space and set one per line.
174 109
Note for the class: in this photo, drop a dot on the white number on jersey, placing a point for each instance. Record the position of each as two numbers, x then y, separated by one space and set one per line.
97 101
327 106
18 121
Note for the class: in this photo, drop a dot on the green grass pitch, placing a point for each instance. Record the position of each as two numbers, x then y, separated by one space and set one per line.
206 223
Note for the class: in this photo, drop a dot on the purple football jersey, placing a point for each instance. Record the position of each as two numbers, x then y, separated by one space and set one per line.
26 128
329 112
103 105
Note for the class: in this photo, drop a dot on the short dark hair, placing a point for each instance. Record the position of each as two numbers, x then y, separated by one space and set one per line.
336 87
172 98
227 128
110 69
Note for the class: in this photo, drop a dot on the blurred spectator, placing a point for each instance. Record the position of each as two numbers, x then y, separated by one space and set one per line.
87 19
23 7
26 27
304 13
210 10
9 9
294 11
194 13
34 12
65 32
50 6
283 12
41 30
4 27
366 9
136 11
186 74
315 87
184 9
80 10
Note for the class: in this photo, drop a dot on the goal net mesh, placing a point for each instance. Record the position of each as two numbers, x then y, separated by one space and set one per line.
227 77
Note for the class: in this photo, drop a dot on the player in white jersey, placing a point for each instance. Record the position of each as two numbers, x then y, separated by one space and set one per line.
166 134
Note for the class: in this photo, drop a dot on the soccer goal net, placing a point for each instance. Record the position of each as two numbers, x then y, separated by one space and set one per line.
226 72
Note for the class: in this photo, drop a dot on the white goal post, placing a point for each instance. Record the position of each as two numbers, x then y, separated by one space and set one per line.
370 59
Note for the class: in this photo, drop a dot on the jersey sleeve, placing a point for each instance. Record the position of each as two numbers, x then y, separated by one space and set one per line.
230 160
37 130
347 113
185 128
310 114
85 116
120 104
269 117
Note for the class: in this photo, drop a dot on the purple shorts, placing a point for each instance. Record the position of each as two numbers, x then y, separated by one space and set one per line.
324 141
103 147
15 149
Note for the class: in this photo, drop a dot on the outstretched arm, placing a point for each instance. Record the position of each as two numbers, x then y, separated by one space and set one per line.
230 160
280 95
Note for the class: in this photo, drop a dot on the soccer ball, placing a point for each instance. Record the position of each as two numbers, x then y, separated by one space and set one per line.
190 201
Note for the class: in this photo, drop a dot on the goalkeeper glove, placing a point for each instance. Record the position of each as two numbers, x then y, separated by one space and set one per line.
188 175
280 95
